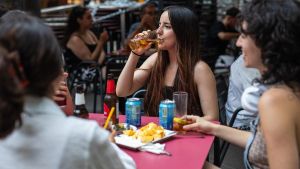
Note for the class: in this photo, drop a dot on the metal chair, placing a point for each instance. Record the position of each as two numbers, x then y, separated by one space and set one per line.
222 148
75 77
222 89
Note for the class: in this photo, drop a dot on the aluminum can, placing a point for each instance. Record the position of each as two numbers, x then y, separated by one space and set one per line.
133 111
166 114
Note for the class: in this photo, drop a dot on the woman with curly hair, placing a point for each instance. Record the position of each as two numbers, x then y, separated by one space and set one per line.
81 42
82 45
270 42
176 66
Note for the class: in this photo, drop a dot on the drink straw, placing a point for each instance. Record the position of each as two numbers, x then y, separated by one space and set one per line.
109 117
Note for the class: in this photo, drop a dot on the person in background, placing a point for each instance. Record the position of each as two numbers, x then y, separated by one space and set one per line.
176 66
240 78
221 32
81 43
148 22
270 43
33 129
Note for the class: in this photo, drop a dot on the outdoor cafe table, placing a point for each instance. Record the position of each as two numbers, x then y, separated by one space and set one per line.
188 151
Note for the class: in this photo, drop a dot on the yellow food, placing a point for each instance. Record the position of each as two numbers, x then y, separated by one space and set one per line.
180 121
148 133
129 132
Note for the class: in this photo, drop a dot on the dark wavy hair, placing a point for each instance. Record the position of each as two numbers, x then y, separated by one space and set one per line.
185 26
11 94
72 23
274 26
36 64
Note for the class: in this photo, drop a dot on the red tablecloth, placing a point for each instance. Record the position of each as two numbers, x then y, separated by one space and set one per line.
188 151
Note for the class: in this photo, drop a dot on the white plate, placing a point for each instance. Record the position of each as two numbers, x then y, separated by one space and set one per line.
124 128
129 142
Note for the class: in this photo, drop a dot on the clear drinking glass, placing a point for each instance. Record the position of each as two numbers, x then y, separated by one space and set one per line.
181 101
143 40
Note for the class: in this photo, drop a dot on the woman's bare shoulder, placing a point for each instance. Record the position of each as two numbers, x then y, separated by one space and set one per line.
74 39
281 98
279 94
202 71
202 67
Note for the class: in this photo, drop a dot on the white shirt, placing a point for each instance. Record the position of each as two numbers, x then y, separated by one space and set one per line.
48 139
240 79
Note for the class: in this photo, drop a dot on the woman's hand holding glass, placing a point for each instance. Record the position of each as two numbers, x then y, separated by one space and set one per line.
198 124
142 42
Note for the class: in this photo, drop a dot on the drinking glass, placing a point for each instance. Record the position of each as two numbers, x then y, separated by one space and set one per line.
181 99
143 40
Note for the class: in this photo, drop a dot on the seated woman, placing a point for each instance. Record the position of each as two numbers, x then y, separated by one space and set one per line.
270 42
176 66
33 129
81 43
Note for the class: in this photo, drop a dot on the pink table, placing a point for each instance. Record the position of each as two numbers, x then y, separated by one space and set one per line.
188 151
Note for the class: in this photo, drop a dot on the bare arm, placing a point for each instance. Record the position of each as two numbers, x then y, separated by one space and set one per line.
81 50
131 79
227 35
279 112
206 85
232 135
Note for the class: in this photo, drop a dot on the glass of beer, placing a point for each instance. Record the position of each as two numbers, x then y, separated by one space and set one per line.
181 99
141 41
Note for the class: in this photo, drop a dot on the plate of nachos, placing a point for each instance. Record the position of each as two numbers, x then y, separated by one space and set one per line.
151 133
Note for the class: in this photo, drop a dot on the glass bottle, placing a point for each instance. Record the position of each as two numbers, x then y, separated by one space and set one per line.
111 99
80 109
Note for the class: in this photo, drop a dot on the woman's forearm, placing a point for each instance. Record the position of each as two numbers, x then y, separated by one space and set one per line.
232 135
125 81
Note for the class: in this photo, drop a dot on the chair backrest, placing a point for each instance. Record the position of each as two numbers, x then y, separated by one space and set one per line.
115 65
222 91
89 74
223 147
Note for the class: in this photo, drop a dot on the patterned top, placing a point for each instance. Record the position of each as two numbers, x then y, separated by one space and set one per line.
255 154
256 151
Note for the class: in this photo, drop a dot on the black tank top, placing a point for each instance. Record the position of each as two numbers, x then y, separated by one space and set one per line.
195 107
72 60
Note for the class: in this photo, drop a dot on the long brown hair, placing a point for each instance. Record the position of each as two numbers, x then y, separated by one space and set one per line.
185 26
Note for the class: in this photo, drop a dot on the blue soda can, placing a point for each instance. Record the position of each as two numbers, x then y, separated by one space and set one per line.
166 114
133 111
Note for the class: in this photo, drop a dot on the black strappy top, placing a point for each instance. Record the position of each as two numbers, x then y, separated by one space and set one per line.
73 60
194 106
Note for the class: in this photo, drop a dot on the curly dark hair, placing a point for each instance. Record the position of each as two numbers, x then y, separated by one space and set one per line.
72 23
11 94
274 26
